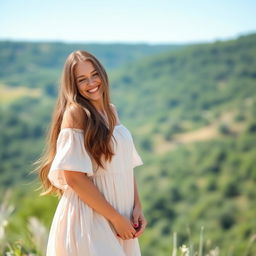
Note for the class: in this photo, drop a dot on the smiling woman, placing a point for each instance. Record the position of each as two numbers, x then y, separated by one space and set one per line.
86 83
89 164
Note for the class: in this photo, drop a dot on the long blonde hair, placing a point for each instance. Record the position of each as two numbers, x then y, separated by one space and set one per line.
97 135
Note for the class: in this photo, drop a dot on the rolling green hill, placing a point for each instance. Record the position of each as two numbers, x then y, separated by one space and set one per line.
192 114
38 65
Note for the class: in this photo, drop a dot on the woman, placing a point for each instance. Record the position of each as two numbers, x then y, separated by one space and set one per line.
89 164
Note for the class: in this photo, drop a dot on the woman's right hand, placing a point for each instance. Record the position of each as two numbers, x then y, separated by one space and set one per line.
124 227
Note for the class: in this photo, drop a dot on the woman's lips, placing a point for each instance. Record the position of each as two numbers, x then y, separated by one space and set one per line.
93 90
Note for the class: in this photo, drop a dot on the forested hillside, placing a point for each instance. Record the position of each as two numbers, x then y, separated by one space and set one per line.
192 113
38 65
195 124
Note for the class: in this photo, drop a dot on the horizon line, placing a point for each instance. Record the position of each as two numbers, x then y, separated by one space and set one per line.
17 40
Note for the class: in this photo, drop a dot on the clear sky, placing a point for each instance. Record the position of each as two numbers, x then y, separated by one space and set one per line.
132 21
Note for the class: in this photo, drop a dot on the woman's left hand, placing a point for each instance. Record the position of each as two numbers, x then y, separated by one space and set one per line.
139 220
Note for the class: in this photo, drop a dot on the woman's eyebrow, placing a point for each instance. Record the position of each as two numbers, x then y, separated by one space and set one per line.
83 75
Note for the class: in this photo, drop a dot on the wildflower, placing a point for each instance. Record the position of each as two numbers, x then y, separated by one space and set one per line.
39 233
5 212
184 250
214 252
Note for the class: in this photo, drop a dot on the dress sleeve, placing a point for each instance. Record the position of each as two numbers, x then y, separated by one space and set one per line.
70 155
136 159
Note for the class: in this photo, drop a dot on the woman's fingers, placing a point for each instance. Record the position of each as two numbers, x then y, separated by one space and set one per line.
135 222
142 227
127 236
140 231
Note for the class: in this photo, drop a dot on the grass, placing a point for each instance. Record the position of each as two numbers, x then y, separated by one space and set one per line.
189 250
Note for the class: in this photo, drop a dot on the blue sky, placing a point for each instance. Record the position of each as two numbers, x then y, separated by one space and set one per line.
133 21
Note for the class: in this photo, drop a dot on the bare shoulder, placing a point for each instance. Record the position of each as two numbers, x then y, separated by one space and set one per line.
115 111
73 117
113 107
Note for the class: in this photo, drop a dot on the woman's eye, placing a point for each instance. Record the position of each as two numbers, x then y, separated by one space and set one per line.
94 75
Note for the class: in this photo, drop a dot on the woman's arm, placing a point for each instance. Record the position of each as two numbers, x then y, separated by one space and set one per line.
139 219
136 195
90 194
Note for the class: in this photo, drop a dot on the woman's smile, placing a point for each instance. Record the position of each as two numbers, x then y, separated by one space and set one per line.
93 90
89 81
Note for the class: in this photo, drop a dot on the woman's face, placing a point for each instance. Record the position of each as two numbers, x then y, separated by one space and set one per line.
88 81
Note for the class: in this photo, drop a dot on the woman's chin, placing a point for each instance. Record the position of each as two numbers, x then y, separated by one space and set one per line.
96 96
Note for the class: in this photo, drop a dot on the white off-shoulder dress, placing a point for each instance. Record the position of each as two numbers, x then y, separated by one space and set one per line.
77 229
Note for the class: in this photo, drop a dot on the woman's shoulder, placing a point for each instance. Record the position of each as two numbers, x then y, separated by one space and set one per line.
113 106
74 117
115 111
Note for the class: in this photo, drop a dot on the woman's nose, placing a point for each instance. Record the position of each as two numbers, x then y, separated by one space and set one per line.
90 81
